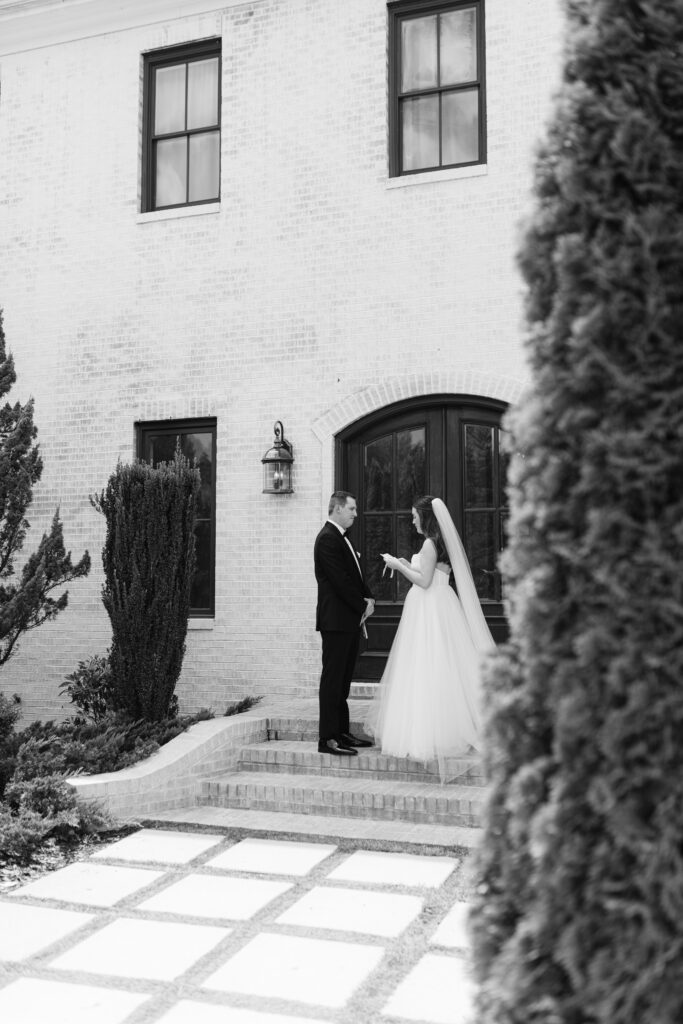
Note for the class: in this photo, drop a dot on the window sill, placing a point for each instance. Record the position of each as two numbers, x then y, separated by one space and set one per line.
429 177
200 623
179 211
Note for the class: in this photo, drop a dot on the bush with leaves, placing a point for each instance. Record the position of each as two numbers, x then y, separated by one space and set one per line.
41 809
149 561
89 748
91 688
579 914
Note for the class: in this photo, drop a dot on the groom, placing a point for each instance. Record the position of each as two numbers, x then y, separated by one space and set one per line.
344 602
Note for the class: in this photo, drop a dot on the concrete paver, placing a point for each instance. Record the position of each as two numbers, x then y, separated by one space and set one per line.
313 971
32 1001
25 931
272 856
200 1013
85 882
154 950
420 996
159 846
353 910
452 931
237 930
394 869
209 896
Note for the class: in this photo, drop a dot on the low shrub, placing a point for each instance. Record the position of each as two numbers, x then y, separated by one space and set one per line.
241 705
78 747
91 687
9 713
37 805
44 808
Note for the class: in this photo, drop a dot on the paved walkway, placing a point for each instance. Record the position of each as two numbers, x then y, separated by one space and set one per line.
198 927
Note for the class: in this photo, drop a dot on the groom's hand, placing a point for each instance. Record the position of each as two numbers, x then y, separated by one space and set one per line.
369 608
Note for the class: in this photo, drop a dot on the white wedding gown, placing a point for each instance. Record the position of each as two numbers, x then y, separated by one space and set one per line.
429 699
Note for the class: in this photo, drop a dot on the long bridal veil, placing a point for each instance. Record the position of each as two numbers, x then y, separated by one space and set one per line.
464 582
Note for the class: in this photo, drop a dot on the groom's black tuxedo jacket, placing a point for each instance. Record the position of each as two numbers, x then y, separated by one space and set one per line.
341 588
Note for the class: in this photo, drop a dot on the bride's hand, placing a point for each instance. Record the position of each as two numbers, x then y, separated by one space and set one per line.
390 562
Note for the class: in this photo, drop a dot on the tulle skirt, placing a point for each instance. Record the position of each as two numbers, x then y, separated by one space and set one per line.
428 703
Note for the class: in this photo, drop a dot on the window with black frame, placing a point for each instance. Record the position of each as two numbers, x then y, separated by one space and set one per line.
436 82
197 440
181 129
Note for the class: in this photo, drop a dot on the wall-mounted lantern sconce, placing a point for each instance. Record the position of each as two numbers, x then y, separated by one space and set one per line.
277 464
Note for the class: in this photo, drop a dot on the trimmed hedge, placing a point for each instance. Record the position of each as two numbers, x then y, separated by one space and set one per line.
579 912
149 561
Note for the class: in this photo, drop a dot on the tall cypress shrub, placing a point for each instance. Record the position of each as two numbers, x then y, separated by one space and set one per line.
149 561
26 599
579 910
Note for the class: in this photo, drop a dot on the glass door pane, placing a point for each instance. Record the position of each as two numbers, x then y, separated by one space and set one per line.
378 491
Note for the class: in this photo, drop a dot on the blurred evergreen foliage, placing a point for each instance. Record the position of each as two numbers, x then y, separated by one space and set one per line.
578 916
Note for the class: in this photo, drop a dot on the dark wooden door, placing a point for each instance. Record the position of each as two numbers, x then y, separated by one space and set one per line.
446 447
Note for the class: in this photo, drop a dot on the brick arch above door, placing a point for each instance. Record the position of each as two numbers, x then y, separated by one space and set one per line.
396 389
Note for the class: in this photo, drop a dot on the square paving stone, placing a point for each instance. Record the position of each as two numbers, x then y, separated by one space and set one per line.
438 989
216 896
306 970
188 1012
453 929
84 882
164 846
31 1001
272 856
353 910
26 930
154 950
394 869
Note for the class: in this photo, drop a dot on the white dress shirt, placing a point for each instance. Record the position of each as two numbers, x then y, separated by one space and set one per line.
351 548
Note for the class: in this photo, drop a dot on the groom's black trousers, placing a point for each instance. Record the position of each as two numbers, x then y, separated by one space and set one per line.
340 651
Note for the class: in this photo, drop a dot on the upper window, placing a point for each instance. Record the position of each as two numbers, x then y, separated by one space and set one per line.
181 131
197 439
436 81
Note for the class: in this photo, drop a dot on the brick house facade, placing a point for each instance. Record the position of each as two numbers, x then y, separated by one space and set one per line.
327 284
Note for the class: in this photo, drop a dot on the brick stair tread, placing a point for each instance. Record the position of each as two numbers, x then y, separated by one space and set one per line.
275 754
318 826
350 784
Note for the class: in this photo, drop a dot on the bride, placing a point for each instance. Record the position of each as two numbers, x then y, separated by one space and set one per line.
429 701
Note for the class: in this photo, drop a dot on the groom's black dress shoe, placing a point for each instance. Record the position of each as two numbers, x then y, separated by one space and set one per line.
353 741
335 747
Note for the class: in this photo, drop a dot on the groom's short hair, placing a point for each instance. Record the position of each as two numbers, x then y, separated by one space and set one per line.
339 498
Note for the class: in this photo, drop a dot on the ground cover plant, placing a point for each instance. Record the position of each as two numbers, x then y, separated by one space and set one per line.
579 908
37 805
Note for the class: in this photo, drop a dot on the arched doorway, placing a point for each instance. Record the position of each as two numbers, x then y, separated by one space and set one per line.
445 445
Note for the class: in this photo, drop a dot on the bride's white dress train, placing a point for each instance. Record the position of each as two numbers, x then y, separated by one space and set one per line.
429 701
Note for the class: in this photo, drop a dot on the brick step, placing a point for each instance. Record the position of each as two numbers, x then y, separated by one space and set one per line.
364 689
281 728
408 836
302 758
347 797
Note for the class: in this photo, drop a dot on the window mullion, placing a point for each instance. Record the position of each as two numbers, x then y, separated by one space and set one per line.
187 137
438 82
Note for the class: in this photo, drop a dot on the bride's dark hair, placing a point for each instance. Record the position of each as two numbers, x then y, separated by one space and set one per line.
429 525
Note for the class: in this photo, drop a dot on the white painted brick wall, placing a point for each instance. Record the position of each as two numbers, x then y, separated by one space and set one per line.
313 284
